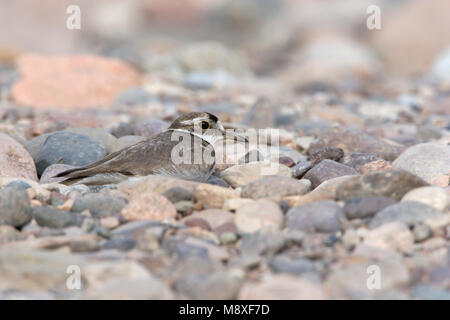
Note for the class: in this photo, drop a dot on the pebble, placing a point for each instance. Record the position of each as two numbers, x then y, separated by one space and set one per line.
149 127
364 207
240 175
265 242
326 170
214 217
393 183
274 186
299 170
426 160
251 156
53 218
15 207
149 206
357 160
99 205
259 214
106 139
294 266
68 148
321 216
353 140
15 161
177 194
8 234
328 153
390 236
432 196
408 212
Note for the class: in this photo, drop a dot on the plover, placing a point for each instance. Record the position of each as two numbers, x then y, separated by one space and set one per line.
185 150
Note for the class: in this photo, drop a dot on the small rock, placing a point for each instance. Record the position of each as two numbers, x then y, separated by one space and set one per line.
197 222
53 218
254 216
326 170
284 264
352 140
408 212
321 216
421 231
105 139
425 160
299 170
274 186
149 206
376 165
68 148
176 194
243 174
390 236
122 130
330 153
432 196
393 183
286 161
15 161
357 160
214 217
211 196
227 238
99 205
133 97
150 127
8 234
364 207
15 207
266 242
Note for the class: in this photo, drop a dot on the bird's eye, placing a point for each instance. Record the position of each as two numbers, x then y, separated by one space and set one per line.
205 125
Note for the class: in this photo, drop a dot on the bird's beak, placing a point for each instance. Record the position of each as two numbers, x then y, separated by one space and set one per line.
235 136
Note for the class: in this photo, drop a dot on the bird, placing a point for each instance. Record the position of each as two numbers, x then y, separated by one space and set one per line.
185 151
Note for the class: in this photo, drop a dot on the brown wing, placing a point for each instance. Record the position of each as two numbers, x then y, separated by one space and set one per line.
143 158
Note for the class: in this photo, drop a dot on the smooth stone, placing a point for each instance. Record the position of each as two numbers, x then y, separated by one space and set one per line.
426 160
299 170
68 148
149 206
217 181
106 139
198 222
8 233
15 161
150 127
99 205
265 242
353 140
176 194
408 212
15 207
239 175
54 218
259 214
284 264
122 130
18 184
421 231
357 160
274 186
364 207
321 216
390 236
236 203
214 217
326 170
433 196
328 153
393 183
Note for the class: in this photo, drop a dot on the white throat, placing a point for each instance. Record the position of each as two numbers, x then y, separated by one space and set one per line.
210 138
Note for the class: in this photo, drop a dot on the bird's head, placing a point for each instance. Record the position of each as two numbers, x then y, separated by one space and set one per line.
205 125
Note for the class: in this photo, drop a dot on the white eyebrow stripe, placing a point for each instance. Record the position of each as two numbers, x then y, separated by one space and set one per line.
194 120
